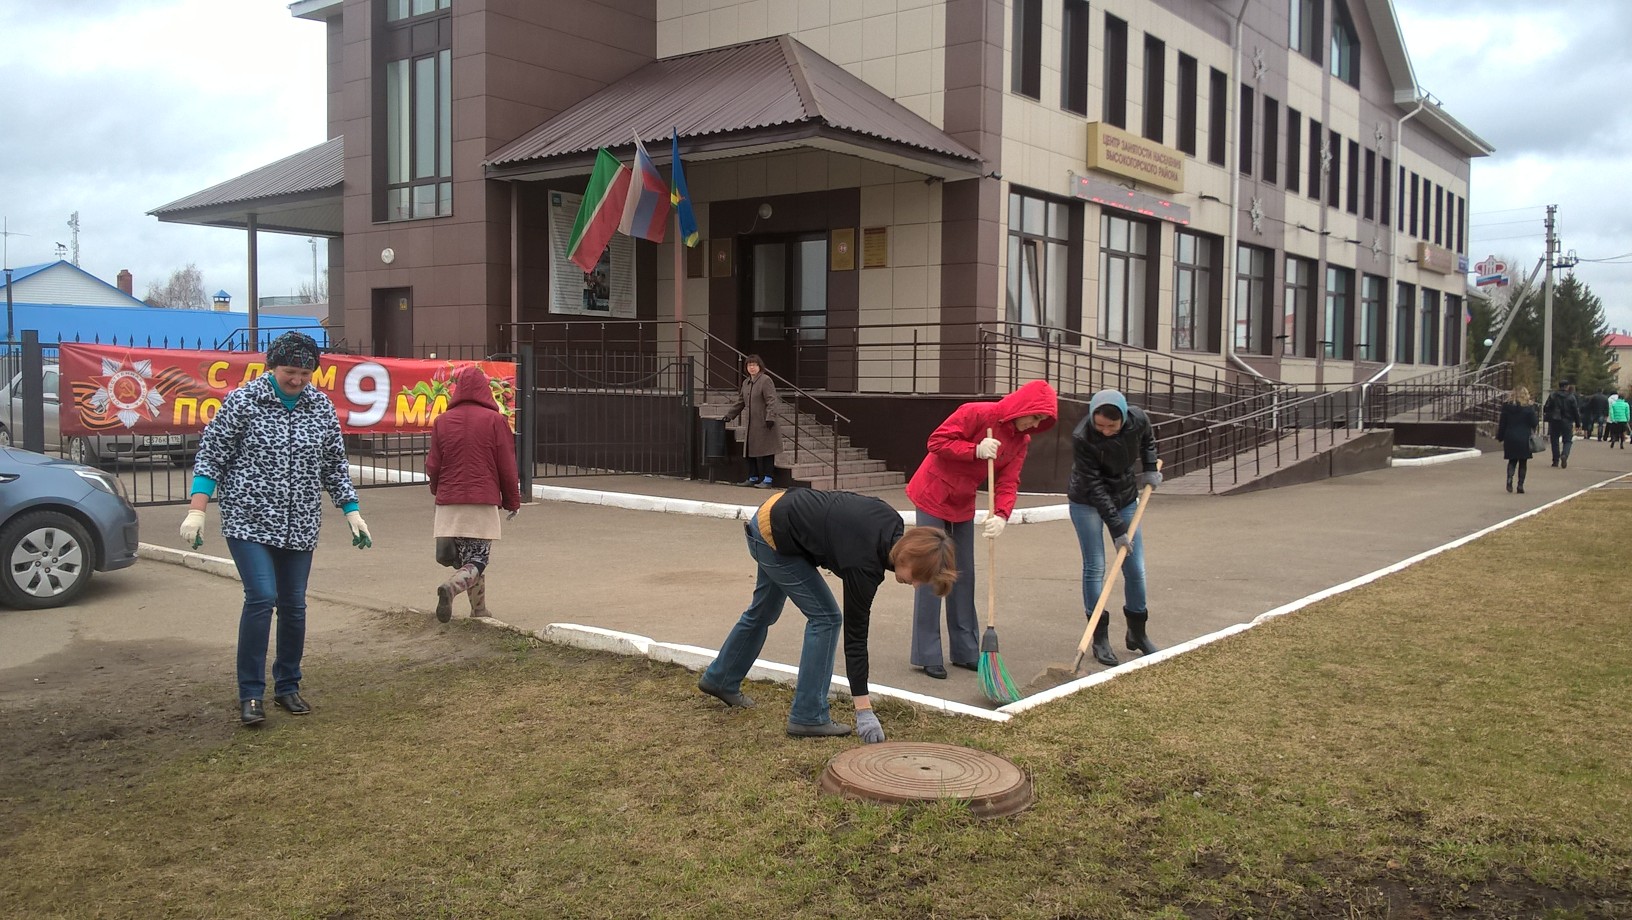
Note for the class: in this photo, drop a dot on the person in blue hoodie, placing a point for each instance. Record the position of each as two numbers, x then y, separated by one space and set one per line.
1113 456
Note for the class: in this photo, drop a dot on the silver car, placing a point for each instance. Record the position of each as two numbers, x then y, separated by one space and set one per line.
59 522
92 450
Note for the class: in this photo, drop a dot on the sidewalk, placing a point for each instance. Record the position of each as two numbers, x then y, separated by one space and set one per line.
685 577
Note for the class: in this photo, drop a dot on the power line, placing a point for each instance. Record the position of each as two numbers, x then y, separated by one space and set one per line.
1501 223
1531 207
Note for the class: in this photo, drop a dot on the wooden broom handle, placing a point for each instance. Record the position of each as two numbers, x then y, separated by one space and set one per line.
991 548
1112 573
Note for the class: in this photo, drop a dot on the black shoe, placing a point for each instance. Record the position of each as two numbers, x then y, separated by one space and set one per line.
737 700
1564 463
251 712
1521 490
936 671
1510 485
292 703
1102 643
824 730
1136 640
966 665
750 481
1555 463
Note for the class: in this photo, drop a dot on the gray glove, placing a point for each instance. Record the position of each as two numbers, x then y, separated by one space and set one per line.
1125 541
867 727
1152 478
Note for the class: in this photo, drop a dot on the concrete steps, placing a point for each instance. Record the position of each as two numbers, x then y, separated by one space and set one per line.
811 463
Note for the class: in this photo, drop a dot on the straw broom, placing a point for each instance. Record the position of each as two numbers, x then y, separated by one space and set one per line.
994 677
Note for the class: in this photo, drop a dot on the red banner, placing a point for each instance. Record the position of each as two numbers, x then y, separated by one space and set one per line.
108 389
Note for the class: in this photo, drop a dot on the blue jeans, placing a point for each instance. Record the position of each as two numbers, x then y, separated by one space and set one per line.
780 578
1561 435
271 575
1090 526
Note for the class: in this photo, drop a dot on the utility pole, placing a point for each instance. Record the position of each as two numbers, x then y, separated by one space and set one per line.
1547 307
313 241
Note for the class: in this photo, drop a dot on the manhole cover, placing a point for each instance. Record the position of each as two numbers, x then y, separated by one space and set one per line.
905 771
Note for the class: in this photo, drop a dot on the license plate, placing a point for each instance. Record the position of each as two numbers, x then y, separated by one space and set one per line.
161 440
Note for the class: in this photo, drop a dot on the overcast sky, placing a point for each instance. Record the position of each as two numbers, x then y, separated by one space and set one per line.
115 107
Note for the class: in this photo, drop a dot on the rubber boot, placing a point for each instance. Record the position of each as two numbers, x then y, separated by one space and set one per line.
1136 639
478 597
448 590
1102 643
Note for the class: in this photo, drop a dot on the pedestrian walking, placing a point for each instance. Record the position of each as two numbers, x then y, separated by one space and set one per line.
1514 426
1113 456
761 433
1620 414
472 473
1596 415
943 491
1563 414
859 538
267 457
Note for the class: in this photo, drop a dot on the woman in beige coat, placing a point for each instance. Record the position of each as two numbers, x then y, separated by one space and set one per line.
761 433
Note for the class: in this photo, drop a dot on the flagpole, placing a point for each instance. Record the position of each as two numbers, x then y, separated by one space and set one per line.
679 289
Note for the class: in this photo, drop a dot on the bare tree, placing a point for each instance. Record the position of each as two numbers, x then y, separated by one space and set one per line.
320 294
184 290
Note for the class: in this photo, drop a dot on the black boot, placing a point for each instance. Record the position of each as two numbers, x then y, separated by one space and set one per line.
1136 639
1102 642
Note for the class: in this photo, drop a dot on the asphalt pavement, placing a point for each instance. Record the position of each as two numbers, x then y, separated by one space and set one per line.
683 575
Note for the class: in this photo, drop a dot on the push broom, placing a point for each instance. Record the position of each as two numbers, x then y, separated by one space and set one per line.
994 677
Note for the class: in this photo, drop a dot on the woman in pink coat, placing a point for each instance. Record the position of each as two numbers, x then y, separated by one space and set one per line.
943 492
472 472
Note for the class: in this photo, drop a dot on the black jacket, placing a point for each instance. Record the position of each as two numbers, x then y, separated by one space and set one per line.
1598 405
1561 406
1105 471
851 536
1513 430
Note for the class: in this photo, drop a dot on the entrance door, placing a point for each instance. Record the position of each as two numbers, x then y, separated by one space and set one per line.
394 322
785 306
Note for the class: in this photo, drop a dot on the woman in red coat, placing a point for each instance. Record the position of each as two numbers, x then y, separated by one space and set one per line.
472 471
943 491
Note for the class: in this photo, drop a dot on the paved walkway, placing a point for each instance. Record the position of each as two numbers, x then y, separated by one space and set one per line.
684 577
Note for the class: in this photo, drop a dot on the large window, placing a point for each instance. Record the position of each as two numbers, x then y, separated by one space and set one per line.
1404 325
1114 108
1317 169
1027 77
1369 204
1126 248
1188 103
1246 154
1074 57
1195 291
1039 269
1294 148
1339 313
1345 62
1334 170
1306 27
1429 351
1454 320
1252 269
1155 88
1353 198
1385 200
416 147
1370 346
1272 135
1218 85
1297 334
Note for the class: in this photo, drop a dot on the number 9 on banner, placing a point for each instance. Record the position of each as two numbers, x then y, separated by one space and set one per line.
374 400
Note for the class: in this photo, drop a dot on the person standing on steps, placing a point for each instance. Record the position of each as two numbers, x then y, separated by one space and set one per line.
472 473
859 538
761 433
1113 453
1513 428
1563 414
943 491
271 452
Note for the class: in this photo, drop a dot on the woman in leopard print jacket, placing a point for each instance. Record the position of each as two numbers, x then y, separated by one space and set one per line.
272 451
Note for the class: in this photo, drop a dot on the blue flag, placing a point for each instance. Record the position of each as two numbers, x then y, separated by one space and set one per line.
678 196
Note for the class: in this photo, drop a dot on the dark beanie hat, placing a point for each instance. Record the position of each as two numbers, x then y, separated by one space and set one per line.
293 349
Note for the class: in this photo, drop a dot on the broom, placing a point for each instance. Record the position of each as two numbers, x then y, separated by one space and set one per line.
994 677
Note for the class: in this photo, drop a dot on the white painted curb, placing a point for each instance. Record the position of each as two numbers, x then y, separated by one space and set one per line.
1468 454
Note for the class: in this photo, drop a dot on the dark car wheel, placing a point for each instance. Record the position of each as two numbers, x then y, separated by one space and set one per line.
5 437
48 557
79 451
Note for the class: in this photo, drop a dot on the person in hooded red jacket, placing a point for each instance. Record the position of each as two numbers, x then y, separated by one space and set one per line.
943 492
472 472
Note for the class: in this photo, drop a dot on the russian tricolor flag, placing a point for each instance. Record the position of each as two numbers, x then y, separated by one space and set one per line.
646 211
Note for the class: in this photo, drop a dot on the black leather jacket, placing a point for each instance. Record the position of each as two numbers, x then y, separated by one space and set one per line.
1105 471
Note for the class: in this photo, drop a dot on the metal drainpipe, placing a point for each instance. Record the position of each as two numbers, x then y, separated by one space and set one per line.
1394 233
1231 241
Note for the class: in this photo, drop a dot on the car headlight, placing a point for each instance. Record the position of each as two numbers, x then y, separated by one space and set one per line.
103 481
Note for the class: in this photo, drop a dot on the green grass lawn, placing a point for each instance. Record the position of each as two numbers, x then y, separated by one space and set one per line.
1450 741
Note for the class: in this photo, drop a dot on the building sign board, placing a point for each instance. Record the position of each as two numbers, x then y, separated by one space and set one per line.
1108 194
1113 150
1436 258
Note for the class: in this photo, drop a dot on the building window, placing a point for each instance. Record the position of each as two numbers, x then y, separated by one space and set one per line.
1245 156
1452 346
1339 313
1195 291
1114 108
1429 353
1028 49
1317 143
1217 117
1353 200
1187 104
1306 28
416 147
1297 331
1439 216
1334 171
1413 222
1039 269
1125 250
1074 57
1400 218
1272 136
1345 45
1461 225
1252 269
1370 346
1385 200
1294 148
1155 88
1404 329
1369 204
